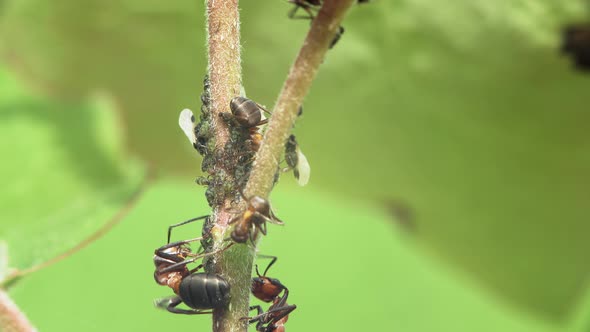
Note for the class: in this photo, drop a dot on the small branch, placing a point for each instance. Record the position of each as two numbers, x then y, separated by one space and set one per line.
121 213
235 264
11 318
296 87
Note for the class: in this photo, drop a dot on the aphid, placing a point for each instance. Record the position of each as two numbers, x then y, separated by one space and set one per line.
274 319
186 121
296 161
201 292
337 37
576 43
253 220
267 289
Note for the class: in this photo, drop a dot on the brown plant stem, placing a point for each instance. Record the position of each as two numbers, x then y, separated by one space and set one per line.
235 264
296 87
11 318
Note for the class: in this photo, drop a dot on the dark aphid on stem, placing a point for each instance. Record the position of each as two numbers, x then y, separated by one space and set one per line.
576 43
267 289
337 37
253 220
296 161
201 292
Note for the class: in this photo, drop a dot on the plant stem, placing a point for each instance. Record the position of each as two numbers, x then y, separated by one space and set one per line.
235 264
11 318
298 83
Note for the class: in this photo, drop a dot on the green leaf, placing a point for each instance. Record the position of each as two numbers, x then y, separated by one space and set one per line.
64 178
465 110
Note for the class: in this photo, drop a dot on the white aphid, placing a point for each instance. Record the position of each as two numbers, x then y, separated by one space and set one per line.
303 168
186 121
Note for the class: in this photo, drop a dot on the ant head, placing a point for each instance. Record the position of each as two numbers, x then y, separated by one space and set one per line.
260 204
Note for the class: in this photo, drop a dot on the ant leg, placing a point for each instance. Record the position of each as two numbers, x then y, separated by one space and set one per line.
283 300
293 11
183 223
162 250
170 304
263 109
254 235
284 311
196 269
188 261
259 312
274 219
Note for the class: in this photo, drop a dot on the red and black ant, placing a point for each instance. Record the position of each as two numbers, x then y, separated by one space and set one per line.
202 292
264 288
274 319
253 220
268 289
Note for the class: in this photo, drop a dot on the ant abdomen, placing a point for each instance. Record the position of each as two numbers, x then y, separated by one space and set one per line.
204 291
246 112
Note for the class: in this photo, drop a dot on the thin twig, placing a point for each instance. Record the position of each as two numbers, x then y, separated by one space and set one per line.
12 319
105 228
296 87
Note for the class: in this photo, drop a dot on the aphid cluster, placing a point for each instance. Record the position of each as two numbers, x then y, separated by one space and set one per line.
203 292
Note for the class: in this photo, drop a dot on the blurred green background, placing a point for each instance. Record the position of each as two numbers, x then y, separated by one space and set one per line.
461 114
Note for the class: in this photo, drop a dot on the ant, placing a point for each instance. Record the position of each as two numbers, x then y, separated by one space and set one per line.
247 114
268 289
253 219
274 319
199 291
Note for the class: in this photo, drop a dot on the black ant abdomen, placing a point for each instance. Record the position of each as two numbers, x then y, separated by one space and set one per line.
204 291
